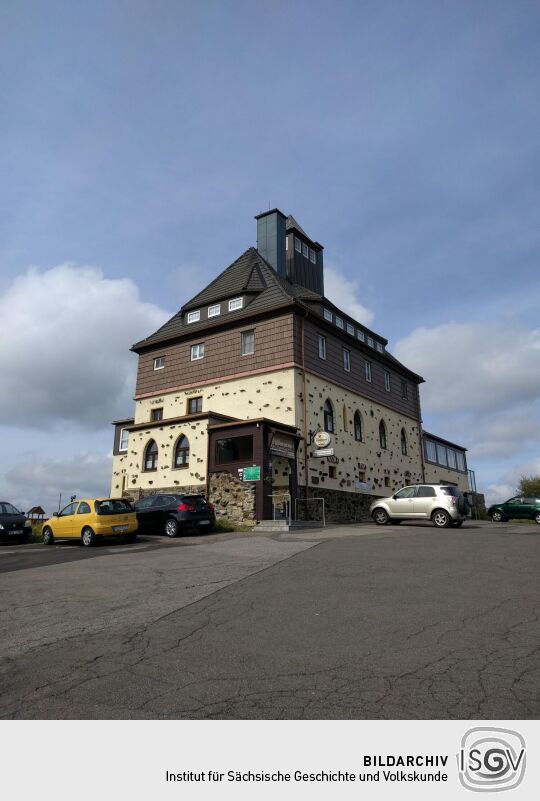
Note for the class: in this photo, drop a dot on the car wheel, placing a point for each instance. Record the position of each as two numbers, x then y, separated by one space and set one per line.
497 517
380 517
537 518
47 536
130 537
88 537
440 518
171 527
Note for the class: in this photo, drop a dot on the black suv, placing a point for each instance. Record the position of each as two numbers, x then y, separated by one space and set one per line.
13 525
172 514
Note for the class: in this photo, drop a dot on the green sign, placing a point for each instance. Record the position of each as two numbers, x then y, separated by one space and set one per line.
252 473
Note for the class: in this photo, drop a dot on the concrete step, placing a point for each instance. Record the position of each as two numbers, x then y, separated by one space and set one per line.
284 525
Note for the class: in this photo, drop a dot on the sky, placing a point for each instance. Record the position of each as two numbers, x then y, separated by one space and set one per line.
139 139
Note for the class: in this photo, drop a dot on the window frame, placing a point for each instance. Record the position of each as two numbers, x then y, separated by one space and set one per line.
239 304
156 414
329 417
404 443
404 389
327 314
193 317
197 358
350 329
297 244
191 400
387 381
383 438
243 338
368 373
346 360
184 449
211 310
122 432
159 363
155 456
339 323
358 427
321 340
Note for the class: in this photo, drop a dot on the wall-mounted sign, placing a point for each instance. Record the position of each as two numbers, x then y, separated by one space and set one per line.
322 439
282 446
251 473
324 452
193 391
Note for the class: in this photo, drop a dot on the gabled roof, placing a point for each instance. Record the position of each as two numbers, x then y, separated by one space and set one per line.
291 223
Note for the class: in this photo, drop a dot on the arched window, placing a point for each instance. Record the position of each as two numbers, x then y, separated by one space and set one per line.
181 452
328 417
151 456
382 435
358 427
403 442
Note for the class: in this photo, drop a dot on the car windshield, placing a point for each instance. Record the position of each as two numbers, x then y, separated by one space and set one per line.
112 506
195 500
451 491
9 509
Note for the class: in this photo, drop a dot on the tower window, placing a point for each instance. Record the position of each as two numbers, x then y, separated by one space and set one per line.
297 244
248 343
159 363
322 347
312 256
387 381
367 369
346 360
305 250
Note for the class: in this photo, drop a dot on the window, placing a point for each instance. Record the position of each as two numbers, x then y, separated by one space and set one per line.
426 492
181 452
194 316
151 456
68 510
360 335
248 343
297 244
387 481
214 311
358 427
382 435
84 508
404 389
403 442
367 369
322 346
159 363
194 405
327 314
346 360
312 256
361 475
124 438
286 243
235 304
234 449
431 451
387 384
331 471
197 352
339 322
441 454
461 461
156 415
350 329
305 250
328 413
452 461
370 342
379 347
407 492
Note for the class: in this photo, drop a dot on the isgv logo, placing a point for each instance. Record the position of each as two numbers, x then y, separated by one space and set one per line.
491 759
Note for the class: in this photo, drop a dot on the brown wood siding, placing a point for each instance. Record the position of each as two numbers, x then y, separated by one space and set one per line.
222 356
331 368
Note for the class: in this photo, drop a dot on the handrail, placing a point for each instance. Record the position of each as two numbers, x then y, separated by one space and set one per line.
287 503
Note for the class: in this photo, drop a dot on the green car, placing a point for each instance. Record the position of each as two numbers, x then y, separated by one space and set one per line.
518 508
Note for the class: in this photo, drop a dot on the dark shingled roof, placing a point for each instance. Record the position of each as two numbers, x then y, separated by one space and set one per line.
291 223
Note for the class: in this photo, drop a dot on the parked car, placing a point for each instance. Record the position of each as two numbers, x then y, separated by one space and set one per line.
518 508
14 527
170 513
443 505
90 519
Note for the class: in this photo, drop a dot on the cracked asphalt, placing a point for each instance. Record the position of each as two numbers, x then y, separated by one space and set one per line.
356 622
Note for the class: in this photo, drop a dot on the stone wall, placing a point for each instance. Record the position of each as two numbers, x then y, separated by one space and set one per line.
233 499
339 506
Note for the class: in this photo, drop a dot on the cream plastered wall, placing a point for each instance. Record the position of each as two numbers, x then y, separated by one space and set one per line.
268 395
385 470
435 474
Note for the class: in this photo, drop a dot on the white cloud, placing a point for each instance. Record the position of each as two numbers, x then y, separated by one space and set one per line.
39 482
343 292
66 334
502 491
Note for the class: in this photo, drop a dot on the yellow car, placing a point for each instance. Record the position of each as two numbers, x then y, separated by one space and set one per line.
90 519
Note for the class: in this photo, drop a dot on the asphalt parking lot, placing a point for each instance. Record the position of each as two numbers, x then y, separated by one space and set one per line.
350 622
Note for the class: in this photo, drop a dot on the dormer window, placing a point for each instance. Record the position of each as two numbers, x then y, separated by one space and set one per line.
360 335
379 347
370 342
214 311
350 329
297 244
159 363
312 256
235 304
339 322
327 315
194 316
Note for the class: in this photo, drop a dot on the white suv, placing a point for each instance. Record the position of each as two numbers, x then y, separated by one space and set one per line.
443 505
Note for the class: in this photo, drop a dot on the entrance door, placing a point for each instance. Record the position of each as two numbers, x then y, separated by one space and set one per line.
281 490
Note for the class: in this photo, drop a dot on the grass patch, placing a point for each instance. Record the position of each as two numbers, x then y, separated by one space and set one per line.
223 524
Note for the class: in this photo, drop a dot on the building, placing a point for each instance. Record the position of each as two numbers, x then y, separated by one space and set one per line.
264 395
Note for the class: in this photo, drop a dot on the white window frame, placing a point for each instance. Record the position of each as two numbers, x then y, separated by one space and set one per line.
461 462
312 256
305 250
361 336
193 316
297 244
367 371
235 304
346 360
197 352
387 381
371 342
122 432
339 323
327 314
243 337
452 458
159 362
350 329
215 310
379 347
322 346
431 451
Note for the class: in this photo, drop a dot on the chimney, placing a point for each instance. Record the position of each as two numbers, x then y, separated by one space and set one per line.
271 234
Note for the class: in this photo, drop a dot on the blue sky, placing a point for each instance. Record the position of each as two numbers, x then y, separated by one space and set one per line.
139 139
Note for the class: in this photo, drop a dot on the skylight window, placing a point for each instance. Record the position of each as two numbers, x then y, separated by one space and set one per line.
194 316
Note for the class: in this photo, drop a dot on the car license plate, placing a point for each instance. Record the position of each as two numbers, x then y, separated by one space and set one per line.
204 522
15 532
120 528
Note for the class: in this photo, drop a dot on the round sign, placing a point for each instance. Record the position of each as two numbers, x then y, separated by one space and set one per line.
322 439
